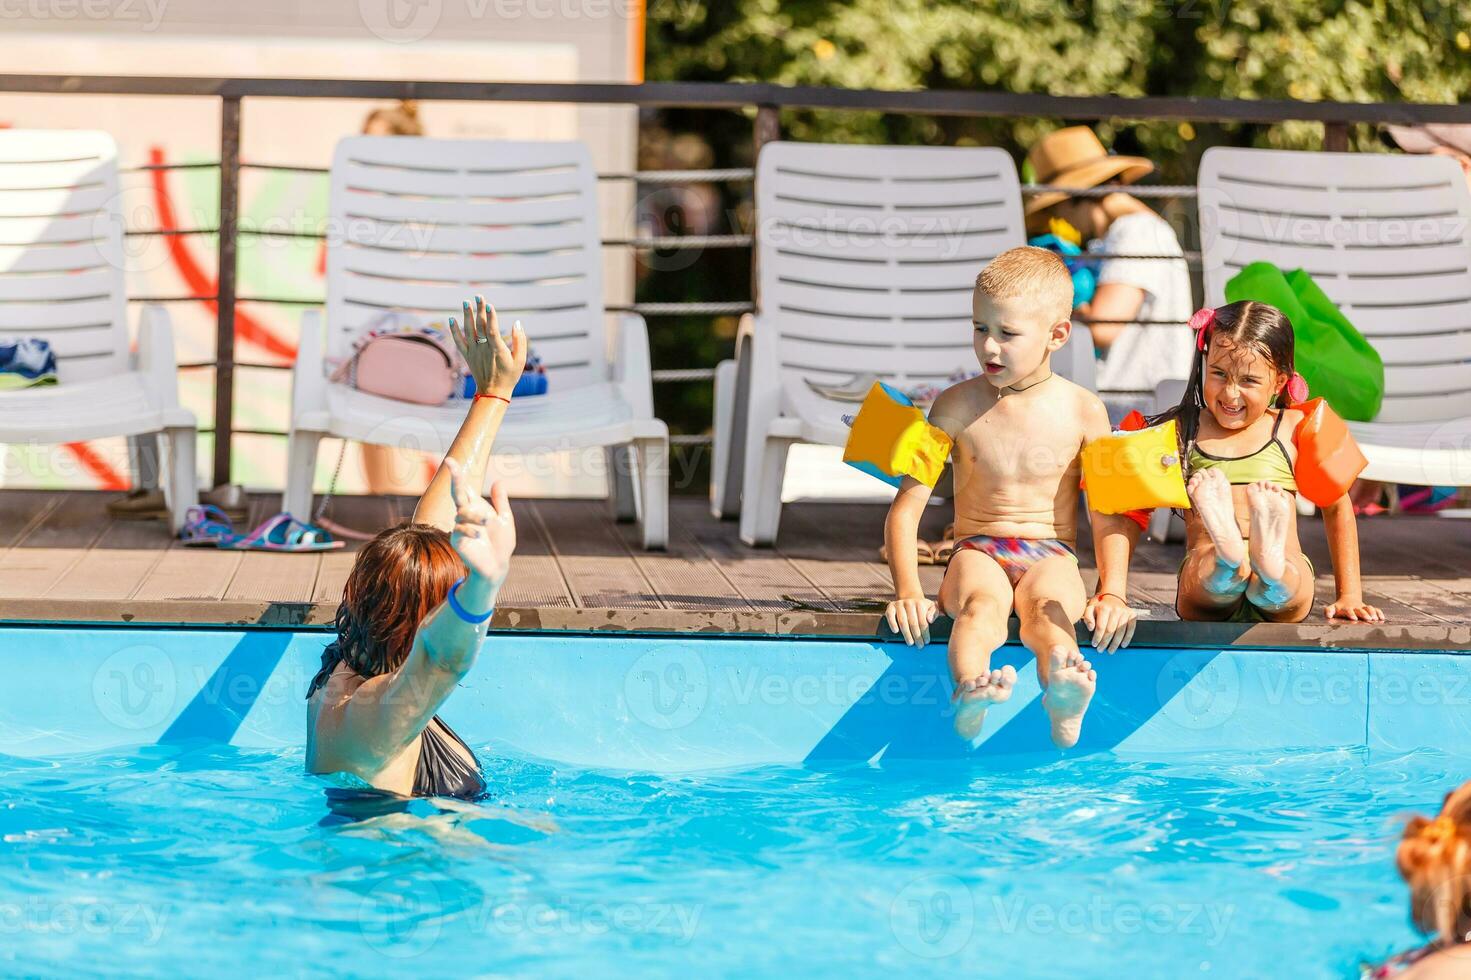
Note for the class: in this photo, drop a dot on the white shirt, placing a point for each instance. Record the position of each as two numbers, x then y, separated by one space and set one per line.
1144 354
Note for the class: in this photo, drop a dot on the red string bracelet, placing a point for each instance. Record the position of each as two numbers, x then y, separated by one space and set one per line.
1100 595
497 397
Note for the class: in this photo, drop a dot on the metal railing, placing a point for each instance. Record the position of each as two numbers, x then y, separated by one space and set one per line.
763 101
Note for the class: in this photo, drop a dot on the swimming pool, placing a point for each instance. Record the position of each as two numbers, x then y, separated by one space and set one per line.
741 805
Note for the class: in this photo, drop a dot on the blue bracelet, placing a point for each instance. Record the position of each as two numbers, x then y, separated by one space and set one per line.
460 610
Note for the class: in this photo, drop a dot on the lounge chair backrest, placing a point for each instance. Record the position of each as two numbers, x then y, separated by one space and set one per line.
1387 237
419 225
867 255
62 266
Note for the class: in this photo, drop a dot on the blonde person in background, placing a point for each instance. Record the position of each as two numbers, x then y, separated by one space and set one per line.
388 469
1136 296
1434 858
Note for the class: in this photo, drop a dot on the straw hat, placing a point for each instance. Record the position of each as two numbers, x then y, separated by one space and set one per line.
1074 157
1432 136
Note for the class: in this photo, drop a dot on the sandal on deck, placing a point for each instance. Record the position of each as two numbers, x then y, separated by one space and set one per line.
945 547
284 533
206 526
922 549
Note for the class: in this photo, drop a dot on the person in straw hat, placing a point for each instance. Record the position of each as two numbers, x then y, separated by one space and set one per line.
1138 314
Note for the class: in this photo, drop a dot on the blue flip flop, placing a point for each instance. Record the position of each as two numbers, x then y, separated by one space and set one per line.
283 533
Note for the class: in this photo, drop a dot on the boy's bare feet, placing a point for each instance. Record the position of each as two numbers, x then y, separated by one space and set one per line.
974 696
1210 495
1070 684
1271 516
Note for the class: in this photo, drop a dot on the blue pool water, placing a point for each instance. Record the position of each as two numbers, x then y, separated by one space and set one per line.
205 858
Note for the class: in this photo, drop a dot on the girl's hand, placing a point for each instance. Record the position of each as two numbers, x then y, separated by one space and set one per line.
911 618
485 532
495 365
1112 621
1354 609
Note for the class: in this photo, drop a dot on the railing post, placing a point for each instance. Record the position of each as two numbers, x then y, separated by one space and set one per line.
1335 137
225 293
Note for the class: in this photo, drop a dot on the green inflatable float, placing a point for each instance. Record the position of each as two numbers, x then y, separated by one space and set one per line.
1332 356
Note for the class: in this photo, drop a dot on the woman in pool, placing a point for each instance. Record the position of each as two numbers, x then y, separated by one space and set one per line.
1243 560
415 607
1434 858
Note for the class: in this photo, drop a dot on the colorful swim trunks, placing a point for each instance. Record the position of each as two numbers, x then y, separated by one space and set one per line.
1016 555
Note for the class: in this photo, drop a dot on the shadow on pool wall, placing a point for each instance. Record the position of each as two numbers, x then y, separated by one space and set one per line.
673 704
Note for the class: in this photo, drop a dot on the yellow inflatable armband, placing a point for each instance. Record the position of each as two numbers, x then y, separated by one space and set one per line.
892 439
1126 471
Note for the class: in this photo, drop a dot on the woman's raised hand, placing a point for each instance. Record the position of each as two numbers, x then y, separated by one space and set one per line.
484 534
495 365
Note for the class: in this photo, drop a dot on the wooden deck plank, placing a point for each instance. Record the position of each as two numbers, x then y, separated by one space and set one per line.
190 573
274 577
764 578
332 572
535 580
593 558
20 510
684 575
117 563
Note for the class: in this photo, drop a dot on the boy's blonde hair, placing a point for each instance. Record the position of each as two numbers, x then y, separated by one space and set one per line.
1034 273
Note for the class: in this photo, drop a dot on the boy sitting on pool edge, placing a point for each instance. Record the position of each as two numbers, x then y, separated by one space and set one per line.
1017 432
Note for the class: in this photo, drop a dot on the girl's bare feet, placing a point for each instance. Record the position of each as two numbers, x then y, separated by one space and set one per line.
1070 684
1210 495
974 696
1271 517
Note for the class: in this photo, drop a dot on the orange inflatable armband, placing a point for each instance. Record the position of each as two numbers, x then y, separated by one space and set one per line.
1328 459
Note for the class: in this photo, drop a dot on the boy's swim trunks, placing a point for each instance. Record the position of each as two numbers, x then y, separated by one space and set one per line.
1016 555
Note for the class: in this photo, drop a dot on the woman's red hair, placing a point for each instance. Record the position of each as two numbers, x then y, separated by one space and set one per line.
397 580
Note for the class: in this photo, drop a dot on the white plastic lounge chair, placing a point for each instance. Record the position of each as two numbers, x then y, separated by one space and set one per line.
425 224
62 280
867 256
1389 240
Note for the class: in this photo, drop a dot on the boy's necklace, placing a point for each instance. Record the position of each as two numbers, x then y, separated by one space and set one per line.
1017 391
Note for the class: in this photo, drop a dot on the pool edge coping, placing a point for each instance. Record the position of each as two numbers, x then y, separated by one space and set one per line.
744 624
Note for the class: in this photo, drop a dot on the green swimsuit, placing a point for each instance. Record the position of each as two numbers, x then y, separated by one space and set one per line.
1270 462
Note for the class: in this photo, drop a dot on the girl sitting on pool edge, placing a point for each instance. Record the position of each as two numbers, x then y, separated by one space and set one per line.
1238 425
417 603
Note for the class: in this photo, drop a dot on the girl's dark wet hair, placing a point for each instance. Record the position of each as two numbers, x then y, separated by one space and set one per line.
1246 323
397 580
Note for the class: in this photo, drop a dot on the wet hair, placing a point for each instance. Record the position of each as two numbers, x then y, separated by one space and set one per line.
397 580
1434 858
1244 324
401 120
1035 273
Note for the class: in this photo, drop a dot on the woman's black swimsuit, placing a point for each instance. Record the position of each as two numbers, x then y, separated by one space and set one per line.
442 771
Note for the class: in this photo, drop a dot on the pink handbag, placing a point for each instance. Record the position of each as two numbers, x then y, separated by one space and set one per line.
404 366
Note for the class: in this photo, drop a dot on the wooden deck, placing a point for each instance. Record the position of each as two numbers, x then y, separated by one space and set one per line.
63 559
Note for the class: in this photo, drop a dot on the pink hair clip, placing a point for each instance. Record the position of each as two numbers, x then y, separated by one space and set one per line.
1202 322
1297 388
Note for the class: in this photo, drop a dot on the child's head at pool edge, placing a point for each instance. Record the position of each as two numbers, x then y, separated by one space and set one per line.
1021 311
1434 857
